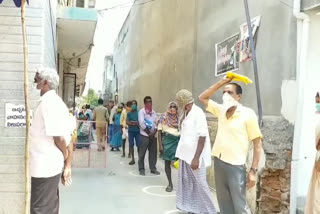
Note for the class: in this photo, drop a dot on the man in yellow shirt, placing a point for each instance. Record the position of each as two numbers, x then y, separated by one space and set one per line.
101 117
237 128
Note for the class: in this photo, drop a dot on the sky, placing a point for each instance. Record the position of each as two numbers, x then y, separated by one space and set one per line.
108 26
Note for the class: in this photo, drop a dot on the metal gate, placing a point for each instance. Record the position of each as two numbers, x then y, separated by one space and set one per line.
86 154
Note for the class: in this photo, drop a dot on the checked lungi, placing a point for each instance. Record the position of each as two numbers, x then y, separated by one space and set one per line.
193 193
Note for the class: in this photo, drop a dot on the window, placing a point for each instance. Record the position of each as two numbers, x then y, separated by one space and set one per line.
80 3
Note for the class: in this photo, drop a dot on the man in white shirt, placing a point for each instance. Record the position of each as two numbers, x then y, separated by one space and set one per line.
193 194
50 155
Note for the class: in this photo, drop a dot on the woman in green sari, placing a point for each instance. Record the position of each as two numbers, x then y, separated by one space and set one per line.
169 135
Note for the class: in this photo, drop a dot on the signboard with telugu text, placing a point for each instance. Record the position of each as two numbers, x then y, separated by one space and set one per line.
15 116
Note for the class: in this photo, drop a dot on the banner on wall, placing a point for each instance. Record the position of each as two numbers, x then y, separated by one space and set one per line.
245 50
227 58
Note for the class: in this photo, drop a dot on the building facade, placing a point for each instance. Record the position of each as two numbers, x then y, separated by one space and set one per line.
108 79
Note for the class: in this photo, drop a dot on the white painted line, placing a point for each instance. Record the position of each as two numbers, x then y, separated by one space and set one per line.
133 173
146 190
174 212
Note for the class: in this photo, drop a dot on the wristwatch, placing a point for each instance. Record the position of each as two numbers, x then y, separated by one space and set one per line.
253 170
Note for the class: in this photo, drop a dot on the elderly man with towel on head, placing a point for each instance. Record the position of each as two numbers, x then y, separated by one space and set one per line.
193 194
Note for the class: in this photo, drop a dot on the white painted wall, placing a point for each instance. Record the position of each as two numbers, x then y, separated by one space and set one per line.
289 100
306 147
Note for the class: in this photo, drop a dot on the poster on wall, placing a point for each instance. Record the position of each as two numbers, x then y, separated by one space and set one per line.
227 58
15 116
245 50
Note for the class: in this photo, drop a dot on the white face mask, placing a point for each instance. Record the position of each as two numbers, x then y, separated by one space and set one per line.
228 101
34 85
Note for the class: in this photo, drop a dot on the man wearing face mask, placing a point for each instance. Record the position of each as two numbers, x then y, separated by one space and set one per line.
193 151
133 130
50 147
148 140
237 128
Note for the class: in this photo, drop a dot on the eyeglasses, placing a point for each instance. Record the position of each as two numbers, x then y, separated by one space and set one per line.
148 101
173 107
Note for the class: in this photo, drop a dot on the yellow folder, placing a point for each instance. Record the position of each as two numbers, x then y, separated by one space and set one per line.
238 77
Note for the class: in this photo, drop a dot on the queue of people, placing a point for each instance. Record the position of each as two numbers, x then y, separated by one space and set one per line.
182 133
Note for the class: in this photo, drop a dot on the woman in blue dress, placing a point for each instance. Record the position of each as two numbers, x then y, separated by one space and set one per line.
116 141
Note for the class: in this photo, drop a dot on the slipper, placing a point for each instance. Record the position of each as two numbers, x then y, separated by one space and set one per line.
169 188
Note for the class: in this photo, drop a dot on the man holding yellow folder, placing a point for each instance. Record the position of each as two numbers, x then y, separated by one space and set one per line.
237 128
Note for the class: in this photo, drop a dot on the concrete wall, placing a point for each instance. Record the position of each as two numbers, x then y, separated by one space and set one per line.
276 47
309 4
173 47
154 53
50 32
11 91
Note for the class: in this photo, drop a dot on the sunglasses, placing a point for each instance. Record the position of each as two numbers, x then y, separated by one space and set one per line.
173 107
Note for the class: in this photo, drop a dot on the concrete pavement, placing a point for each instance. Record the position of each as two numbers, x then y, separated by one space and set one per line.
117 189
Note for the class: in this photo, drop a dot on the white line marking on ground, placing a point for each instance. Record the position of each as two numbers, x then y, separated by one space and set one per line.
146 190
174 212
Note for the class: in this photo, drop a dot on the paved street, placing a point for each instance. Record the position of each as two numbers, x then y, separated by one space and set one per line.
117 189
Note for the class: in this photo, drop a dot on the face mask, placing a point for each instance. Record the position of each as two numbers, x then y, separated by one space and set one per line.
318 107
134 107
148 105
119 110
228 101
81 117
34 85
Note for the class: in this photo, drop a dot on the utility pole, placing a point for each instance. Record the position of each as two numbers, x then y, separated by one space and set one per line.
254 60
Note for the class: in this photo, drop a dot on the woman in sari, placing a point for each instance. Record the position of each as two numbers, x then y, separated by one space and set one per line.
116 141
313 197
84 131
168 138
